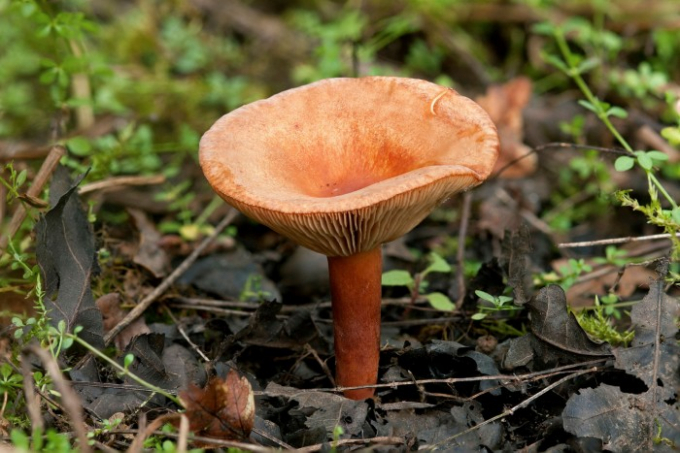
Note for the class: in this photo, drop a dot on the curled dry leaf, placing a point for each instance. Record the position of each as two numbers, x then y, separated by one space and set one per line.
504 104
224 409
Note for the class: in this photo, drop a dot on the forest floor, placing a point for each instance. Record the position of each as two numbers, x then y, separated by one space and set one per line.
537 312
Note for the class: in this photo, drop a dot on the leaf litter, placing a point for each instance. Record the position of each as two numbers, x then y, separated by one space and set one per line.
650 419
446 393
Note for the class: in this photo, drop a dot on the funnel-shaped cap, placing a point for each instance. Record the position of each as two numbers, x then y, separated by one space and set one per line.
343 165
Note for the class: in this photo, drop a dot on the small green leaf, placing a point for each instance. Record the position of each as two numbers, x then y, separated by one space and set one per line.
397 277
658 155
645 161
127 361
588 105
440 301
486 296
587 65
618 112
478 316
676 215
21 178
624 163
79 146
553 60
544 28
672 134
437 264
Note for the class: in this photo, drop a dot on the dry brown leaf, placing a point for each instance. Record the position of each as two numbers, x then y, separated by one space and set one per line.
149 254
581 294
112 314
504 104
224 409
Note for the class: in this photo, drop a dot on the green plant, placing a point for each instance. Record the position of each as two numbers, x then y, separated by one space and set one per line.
566 275
575 65
53 441
417 285
499 304
598 321
252 289
613 256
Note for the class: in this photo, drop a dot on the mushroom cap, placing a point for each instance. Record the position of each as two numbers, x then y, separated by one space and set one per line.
344 165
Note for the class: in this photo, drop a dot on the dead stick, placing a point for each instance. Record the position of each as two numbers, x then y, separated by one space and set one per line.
120 182
46 170
169 280
69 399
652 237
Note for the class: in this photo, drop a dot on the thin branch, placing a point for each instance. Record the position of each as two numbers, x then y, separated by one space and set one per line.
185 336
70 400
420 382
652 237
46 170
169 280
120 182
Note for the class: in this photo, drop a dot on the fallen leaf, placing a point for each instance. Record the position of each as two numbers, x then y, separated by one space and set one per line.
558 331
325 410
224 409
504 104
150 255
112 314
67 258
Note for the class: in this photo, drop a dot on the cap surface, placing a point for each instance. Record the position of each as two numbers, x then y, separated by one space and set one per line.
343 165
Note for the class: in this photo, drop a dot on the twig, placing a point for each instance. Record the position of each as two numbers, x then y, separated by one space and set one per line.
183 434
32 403
460 254
652 237
207 440
169 280
69 399
420 382
512 410
46 170
184 335
321 363
120 182
383 440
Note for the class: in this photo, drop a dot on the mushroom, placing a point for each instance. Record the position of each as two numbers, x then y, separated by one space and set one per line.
342 166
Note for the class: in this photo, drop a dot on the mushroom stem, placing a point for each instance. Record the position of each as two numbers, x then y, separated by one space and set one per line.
356 294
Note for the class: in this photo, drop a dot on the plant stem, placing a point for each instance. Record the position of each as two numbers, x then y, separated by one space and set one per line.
356 295
125 371
600 112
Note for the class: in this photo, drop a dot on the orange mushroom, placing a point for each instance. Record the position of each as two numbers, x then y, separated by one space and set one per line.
342 166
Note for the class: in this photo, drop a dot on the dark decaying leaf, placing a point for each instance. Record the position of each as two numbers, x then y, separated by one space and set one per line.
622 420
324 410
445 359
265 329
67 258
227 275
224 409
654 355
558 329
443 429
170 368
